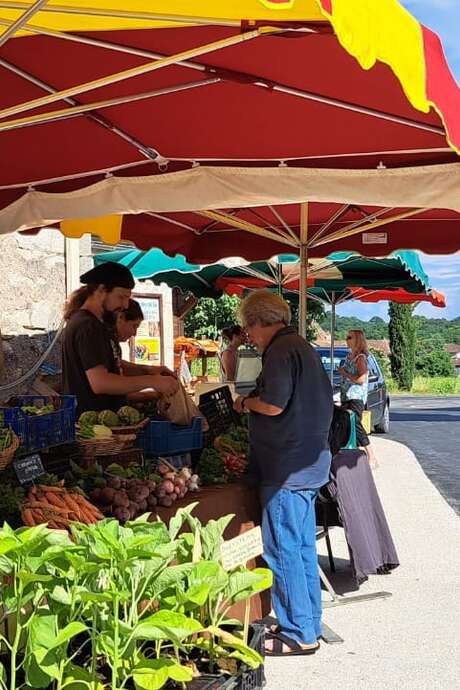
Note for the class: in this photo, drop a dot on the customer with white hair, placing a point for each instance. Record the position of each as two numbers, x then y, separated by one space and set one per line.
290 415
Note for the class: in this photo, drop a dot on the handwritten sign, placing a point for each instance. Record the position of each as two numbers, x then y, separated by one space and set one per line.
241 549
28 469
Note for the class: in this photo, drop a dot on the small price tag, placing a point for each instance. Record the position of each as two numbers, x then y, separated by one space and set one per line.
374 238
28 469
241 549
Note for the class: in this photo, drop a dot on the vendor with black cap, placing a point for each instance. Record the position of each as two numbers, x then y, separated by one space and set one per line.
90 367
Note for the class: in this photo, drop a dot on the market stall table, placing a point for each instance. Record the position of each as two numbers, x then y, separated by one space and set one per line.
223 499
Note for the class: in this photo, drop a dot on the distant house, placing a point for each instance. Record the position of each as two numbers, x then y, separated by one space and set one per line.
382 345
454 351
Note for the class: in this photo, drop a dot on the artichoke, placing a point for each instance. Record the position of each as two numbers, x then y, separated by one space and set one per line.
108 418
88 418
129 416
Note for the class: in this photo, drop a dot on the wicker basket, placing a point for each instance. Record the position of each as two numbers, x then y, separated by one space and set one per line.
134 429
93 447
7 455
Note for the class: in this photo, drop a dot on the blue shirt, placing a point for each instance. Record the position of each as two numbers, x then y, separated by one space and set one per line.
349 390
291 450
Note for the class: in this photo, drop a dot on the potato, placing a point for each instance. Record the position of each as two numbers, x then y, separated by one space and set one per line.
121 499
107 495
167 486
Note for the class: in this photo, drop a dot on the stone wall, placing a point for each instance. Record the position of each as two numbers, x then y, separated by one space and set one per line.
32 294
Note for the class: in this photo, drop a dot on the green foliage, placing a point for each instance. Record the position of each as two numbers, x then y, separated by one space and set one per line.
137 601
374 329
430 386
383 361
435 363
315 314
210 316
402 332
434 331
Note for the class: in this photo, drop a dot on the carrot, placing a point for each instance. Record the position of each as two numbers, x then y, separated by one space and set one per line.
38 504
27 517
51 489
56 500
71 503
38 516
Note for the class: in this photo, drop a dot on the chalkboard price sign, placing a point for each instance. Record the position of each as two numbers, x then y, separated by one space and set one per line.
28 469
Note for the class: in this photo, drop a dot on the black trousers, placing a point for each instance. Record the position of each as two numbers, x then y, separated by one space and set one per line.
357 406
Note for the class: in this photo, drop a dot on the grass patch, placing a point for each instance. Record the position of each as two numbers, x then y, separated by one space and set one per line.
437 385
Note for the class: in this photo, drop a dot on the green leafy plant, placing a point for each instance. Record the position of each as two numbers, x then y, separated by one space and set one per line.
111 605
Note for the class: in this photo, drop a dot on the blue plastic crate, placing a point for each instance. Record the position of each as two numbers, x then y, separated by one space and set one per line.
165 438
41 431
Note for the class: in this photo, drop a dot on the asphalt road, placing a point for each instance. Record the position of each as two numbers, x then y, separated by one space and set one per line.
430 427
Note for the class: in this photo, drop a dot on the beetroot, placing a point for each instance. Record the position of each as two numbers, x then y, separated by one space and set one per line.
107 495
142 506
152 501
177 490
166 501
115 483
121 499
133 510
122 514
95 494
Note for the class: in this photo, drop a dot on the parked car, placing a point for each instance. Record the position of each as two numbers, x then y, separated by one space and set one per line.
378 400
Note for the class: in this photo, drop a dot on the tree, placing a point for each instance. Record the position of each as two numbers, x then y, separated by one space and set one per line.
402 332
210 316
435 363
315 313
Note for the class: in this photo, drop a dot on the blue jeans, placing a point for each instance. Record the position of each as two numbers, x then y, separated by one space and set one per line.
289 536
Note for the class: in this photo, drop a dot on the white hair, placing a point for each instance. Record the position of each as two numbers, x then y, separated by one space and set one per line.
264 308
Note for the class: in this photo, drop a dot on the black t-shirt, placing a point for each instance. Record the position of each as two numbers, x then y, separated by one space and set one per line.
87 344
291 450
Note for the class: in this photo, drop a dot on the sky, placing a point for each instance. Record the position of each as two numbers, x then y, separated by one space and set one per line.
443 17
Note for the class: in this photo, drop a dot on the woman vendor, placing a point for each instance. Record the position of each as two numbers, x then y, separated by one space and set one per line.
91 370
235 337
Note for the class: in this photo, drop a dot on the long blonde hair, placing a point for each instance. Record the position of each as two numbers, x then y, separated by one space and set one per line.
360 342
77 299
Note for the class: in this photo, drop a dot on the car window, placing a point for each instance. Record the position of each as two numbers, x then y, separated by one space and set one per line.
373 366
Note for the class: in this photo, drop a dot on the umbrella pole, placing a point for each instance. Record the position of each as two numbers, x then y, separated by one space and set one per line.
332 337
279 276
303 270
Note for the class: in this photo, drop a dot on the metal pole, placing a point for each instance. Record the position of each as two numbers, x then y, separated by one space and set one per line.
20 21
303 270
332 337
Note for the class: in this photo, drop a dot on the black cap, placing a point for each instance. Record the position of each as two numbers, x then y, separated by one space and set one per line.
109 273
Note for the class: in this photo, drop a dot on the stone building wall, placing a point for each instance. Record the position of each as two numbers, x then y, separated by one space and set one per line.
32 295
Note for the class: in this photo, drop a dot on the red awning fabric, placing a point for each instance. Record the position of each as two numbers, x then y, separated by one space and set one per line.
294 98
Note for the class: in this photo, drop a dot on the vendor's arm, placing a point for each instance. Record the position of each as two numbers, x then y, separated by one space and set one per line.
105 383
131 369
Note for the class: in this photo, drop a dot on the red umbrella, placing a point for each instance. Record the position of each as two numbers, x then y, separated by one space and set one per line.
141 102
